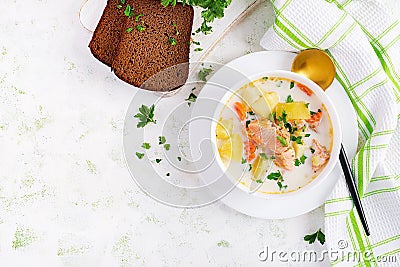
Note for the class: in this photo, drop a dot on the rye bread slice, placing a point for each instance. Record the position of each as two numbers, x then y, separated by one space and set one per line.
104 43
141 55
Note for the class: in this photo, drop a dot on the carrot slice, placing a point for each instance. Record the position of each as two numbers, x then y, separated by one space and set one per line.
305 89
250 150
315 117
240 109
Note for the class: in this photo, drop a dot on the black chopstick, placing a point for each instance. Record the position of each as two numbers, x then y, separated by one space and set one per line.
352 188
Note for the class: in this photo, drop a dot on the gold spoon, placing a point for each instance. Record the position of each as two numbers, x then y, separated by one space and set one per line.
318 66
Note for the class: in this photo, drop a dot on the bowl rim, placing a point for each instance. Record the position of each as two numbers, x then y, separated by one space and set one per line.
334 117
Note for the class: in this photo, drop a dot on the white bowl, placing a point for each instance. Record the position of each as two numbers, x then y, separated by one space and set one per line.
336 128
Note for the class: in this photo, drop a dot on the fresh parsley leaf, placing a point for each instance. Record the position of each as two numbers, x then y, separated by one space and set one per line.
129 30
161 140
297 139
291 85
191 99
244 160
138 17
172 41
307 104
283 117
263 156
273 157
259 181
282 140
265 78
289 99
179 158
247 123
139 155
275 176
167 146
196 43
198 49
319 235
312 150
146 145
168 174
203 73
145 116
307 135
158 160
128 11
297 162
250 167
140 28
303 159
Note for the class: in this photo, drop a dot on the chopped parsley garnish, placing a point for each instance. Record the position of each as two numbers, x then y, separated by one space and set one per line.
263 156
297 162
138 17
302 160
167 146
139 155
128 11
168 174
291 85
277 176
289 99
307 135
145 116
307 104
282 140
319 235
247 123
196 43
297 139
198 49
191 99
243 161
161 140
203 73
146 145
172 41
283 117
312 150
129 30
273 157
158 160
179 158
251 113
259 181
272 116
265 78
250 167
312 112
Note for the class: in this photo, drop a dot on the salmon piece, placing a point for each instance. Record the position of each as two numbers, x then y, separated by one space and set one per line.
315 120
262 133
320 157
299 124
250 149
284 155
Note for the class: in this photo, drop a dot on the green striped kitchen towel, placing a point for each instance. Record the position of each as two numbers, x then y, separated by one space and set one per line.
364 42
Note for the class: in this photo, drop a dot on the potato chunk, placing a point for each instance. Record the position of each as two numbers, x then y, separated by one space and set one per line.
294 110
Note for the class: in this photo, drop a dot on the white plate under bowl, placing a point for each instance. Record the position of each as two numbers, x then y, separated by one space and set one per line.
290 205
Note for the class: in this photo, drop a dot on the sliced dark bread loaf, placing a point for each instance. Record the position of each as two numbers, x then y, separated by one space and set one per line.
106 37
162 44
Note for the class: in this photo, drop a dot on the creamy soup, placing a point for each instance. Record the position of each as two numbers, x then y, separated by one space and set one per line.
274 133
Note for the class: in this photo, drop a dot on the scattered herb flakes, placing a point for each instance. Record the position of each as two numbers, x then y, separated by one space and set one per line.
263 156
247 123
291 85
196 43
146 145
139 155
312 150
191 99
198 49
129 30
282 140
265 78
174 24
297 162
277 176
289 99
319 235
251 113
138 17
297 139
307 105
179 158
172 41
223 243
167 146
244 160
273 157
312 112
307 135
158 160
23 237
283 117
128 11
250 167
161 140
167 174
303 159
203 73
145 116
140 28
259 181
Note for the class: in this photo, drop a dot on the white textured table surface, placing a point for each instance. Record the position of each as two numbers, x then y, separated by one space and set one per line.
66 196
